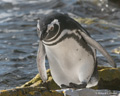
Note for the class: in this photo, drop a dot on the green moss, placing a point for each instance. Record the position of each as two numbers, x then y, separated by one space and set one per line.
32 93
37 82
109 74
32 81
117 50
109 78
52 85
53 93
29 91
106 77
86 20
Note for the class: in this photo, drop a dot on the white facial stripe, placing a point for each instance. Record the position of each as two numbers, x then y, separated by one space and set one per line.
55 21
66 31
38 26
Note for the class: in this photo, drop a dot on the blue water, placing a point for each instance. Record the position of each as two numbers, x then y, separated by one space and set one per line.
19 41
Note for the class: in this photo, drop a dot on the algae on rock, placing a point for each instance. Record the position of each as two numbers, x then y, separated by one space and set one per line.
37 82
29 91
116 50
108 78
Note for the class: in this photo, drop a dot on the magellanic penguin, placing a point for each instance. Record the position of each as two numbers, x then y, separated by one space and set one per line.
70 50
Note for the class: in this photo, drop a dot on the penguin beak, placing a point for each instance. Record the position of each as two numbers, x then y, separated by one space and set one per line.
38 29
41 36
39 32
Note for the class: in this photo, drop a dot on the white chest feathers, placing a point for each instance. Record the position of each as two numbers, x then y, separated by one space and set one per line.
70 62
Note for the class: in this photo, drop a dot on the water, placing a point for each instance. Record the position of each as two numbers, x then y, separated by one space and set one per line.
19 41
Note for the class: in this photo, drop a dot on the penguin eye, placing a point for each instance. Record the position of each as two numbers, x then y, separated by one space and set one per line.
52 31
51 28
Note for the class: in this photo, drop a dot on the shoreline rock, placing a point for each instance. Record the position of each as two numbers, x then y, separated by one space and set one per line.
29 91
116 50
109 78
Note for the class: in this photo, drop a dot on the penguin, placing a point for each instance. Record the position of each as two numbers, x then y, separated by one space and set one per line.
70 50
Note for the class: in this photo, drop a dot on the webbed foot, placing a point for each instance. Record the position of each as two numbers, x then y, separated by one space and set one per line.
75 86
78 86
64 86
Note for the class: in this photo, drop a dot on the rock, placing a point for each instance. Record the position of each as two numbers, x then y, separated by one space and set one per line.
96 22
88 92
37 91
116 2
116 50
109 78
37 82
29 91
87 21
79 92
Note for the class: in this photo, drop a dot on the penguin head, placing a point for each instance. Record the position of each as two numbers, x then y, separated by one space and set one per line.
53 24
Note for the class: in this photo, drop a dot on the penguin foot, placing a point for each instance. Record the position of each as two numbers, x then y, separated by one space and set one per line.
65 86
77 86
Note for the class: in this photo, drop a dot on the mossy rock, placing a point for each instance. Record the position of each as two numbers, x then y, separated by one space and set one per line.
116 50
37 82
29 91
86 20
109 78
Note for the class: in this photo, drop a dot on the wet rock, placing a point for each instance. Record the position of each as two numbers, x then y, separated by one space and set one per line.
37 82
86 20
102 23
116 2
29 91
37 91
116 50
109 78
80 92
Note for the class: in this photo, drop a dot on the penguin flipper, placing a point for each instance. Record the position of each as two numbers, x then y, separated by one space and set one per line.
41 61
96 45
